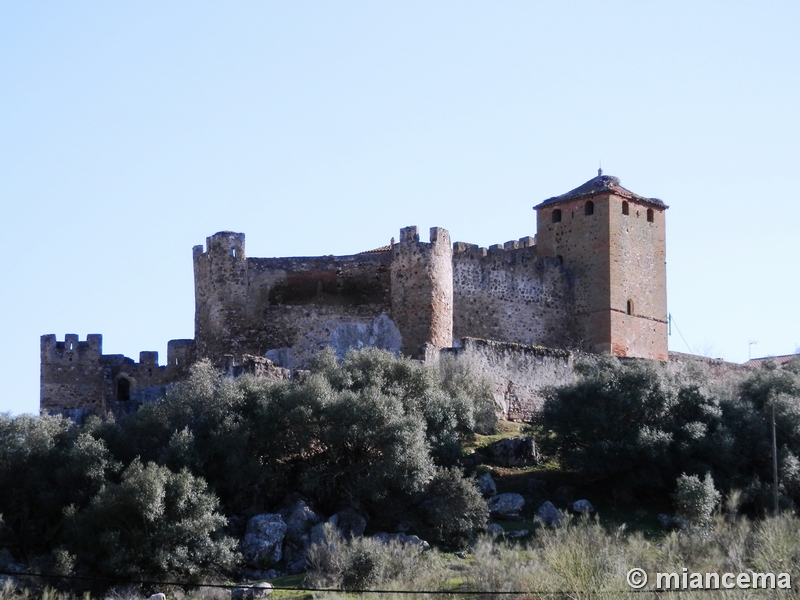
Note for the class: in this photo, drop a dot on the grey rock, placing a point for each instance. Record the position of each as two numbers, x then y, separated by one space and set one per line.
349 523
403 539
514 452
583 507
518 534
549 514
494 530
299 521
263 540
260 589
486 485
506 506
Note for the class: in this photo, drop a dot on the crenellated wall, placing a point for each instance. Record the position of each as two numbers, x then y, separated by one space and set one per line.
508 292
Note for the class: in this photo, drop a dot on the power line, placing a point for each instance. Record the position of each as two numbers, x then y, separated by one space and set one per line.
672 320
186 584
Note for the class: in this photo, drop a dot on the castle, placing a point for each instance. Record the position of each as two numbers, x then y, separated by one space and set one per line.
593 279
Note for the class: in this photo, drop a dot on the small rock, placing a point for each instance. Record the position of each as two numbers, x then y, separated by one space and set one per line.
349 523
518 534
261 589
486 485
494 530
549 514
403 539
583 507
461 555
506 506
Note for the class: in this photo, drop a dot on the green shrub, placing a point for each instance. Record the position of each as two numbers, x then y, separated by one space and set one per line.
454 507
695 500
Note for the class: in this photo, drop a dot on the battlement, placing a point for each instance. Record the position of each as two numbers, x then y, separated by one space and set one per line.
222 243
71 349
463 249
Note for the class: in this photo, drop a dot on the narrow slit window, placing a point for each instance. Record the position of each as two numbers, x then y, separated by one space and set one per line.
233 252
123 390
650 215
560 260
625 208
588 208
557 215
630 307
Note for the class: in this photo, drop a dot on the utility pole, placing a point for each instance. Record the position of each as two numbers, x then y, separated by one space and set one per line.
774 462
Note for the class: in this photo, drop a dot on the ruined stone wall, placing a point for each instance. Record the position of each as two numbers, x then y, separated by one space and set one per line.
77 379
510 293
289 308
518 373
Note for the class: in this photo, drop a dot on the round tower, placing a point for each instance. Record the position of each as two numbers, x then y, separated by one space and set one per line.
422 289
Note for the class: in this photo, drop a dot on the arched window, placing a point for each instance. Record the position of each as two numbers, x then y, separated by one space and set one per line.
630 307
123 389
588 208
625 208
650 215
557 215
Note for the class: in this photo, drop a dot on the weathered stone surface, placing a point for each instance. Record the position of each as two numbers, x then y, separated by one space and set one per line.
486 485
349 523
514 452
300 521
517 534
549 514
583 507
402 538
260 589
494 529
506 506
262 544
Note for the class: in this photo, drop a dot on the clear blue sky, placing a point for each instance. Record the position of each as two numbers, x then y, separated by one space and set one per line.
130 131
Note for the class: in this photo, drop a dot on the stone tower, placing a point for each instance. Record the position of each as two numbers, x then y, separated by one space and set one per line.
612 242
220 275
422 289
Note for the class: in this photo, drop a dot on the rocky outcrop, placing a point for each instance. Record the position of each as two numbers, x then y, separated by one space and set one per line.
514 452
262 544
549 514
506 506
486 485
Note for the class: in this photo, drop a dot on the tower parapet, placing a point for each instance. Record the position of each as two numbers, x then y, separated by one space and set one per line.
71 376
422 289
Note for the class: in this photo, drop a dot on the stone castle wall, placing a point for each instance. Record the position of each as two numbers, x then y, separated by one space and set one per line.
510 293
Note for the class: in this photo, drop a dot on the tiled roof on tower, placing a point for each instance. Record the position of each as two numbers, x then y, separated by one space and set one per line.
601 184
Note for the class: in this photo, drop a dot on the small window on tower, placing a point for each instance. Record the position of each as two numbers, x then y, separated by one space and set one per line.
650 215
630 307
588 208
557 215
233 252
625 208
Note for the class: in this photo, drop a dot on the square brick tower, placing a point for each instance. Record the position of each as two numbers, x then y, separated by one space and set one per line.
612 242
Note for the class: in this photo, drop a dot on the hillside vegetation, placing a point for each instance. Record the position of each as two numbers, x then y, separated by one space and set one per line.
165 493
